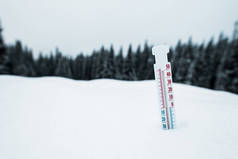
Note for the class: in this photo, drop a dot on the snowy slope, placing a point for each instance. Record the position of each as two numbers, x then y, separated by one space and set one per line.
57 118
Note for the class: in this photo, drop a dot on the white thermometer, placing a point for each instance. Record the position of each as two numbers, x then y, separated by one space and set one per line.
163 77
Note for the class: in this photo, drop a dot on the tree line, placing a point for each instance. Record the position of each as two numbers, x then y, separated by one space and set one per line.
211 65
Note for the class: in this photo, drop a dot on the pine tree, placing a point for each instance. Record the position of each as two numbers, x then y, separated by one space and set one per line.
202 74
63 67
196 67
78 67
4 64
111 64
101 64
175 60
128 68
88 67
29 62
216 59
185 60
51 64
227 78
150 65
42 67
95 63
138 61
18 63
119 63
144 67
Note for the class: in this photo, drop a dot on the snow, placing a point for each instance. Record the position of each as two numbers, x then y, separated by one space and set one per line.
51 117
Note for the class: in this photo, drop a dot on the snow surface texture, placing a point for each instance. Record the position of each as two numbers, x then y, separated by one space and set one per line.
57 118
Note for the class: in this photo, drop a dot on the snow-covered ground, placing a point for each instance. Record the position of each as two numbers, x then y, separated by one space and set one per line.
57 118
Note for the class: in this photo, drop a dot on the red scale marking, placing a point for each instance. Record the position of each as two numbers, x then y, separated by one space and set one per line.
161 88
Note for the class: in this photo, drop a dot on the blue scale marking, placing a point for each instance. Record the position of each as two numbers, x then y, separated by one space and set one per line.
171 118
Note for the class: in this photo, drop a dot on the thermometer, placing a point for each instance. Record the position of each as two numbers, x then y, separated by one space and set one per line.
163 77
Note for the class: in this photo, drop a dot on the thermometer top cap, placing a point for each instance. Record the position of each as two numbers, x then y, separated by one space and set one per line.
160 53
160 49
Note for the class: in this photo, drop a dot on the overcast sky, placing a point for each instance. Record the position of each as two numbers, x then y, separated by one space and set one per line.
81 26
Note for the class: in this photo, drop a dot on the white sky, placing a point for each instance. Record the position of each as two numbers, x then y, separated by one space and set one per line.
81 26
